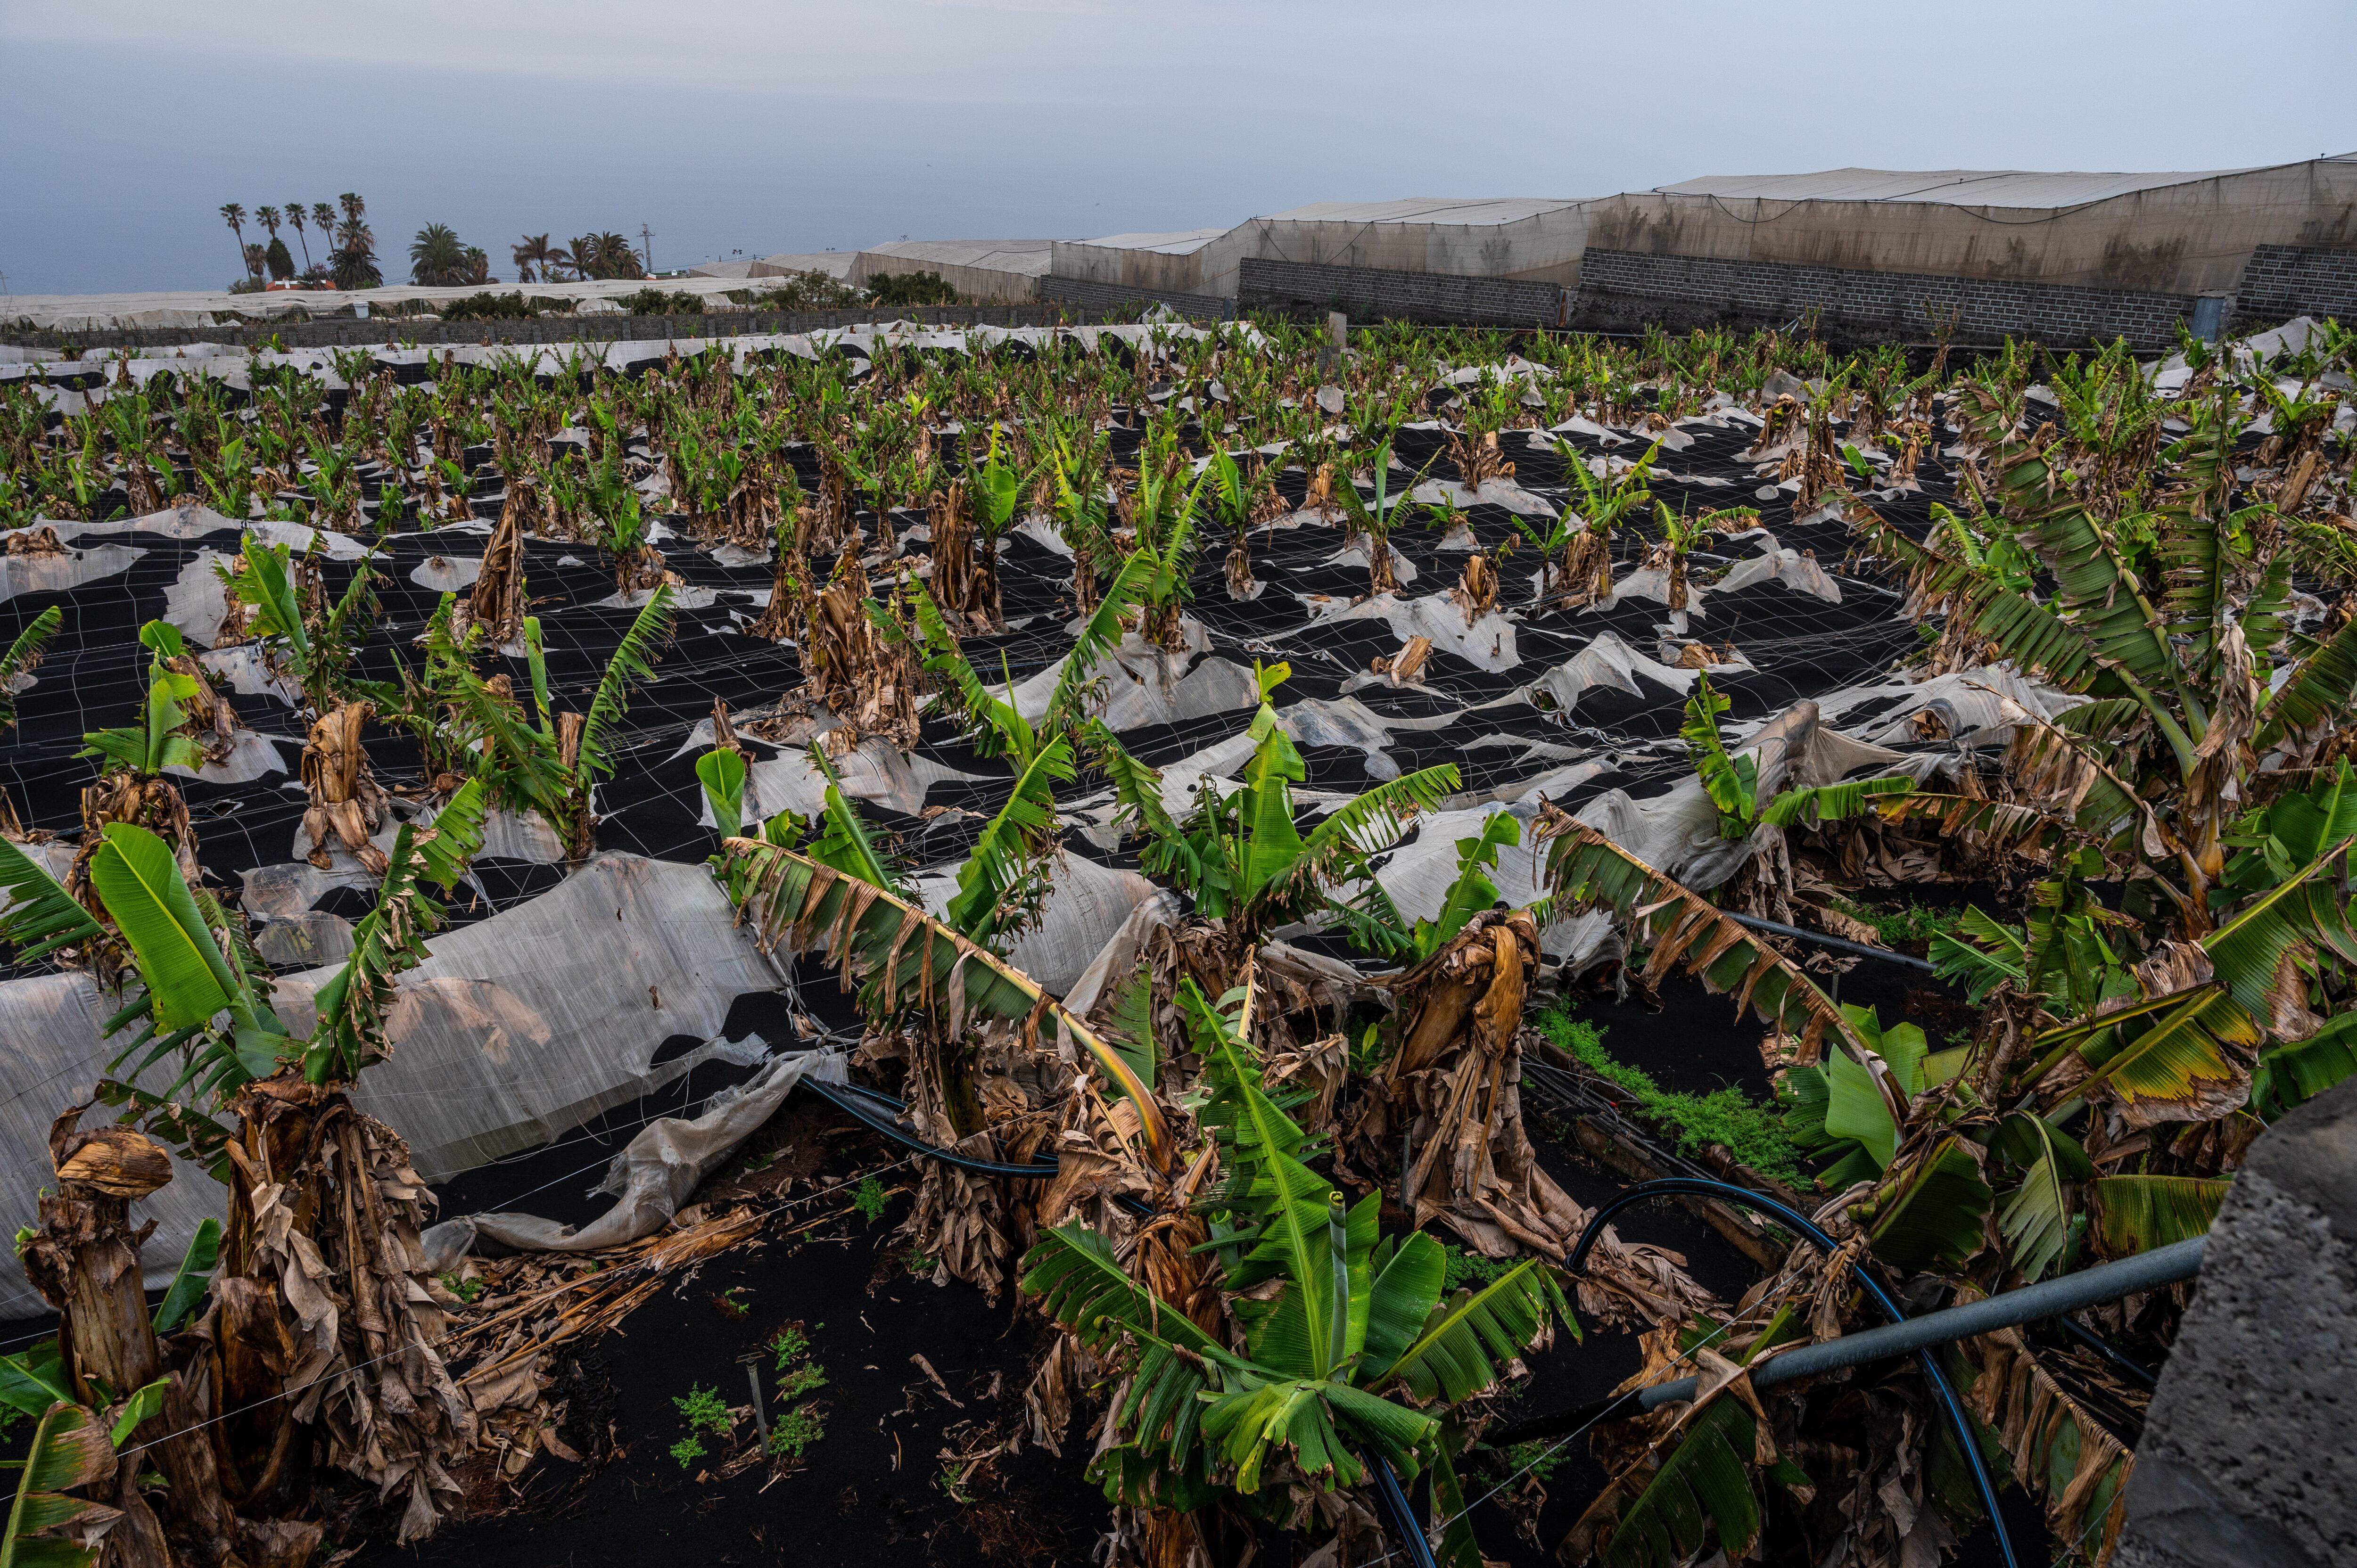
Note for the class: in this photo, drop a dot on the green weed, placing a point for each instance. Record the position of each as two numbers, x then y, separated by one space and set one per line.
1895 926
704 1411
797 1430
1752 1131
1470 1270
687 1451
465 1290
870 1198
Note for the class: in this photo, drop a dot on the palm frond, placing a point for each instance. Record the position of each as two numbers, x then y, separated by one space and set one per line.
1128 588
70 1448
1704 1486
39 916
390 938
22 656
2291 1075
1680 927
2138 1213
2321 688
1376 820
845 844
1000 884
910 959
633 662
994 725
1833 803
1463 1342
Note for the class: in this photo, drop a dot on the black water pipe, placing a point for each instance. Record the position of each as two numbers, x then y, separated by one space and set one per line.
1728 1192
1394 1501
848 1098
1839 943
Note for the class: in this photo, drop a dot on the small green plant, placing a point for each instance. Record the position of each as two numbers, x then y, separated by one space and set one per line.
1368 1051
797 1373
1894 927
687 1451
1471 1270
797 1430
1753 1133
1539 1457
704 1411
731 1302
870 1198
953 1484
920 1264
465 1290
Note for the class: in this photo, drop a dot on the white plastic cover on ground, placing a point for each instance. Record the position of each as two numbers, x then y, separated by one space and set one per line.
64 571
657 1172
520 1027
1969 703
56 1054
1145 685
1087 902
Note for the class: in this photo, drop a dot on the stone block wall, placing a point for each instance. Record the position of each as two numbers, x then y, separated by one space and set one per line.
2282 281
1617 285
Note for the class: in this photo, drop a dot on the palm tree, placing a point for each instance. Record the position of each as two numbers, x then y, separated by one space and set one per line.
323 217
534 249
435 256
478 265
294 216
267 216
606 255
355 262
234 214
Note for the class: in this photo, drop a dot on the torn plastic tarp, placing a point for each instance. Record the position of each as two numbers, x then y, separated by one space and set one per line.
518 1029
656 1172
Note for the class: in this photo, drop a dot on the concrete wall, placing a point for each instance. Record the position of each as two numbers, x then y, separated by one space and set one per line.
2190 238
2249 1455
1387 294
2285 280
1122 299
1620 290
1543 248
999 270
1135 268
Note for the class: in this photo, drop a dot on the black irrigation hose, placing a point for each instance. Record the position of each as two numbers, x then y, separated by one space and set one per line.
1728 1192
839 1095
2125 1366
1396 1503
1860 949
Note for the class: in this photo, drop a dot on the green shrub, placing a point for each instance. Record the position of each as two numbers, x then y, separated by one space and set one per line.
660 302
870 1198
489 306
801 291
910 289
1752 1131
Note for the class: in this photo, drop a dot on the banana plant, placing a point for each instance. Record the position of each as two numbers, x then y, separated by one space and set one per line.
1602 505
1350 1337
318 651
907 960
1374 924
24 656
159 739
1239 854
1732 779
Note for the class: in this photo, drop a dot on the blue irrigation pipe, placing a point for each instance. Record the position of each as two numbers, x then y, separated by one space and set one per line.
1728 1192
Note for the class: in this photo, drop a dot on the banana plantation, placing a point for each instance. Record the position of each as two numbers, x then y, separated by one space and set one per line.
1154 945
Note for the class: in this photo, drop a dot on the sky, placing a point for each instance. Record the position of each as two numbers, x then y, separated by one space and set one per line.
758 126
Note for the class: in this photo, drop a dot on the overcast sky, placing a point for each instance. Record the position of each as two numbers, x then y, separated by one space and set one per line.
767 125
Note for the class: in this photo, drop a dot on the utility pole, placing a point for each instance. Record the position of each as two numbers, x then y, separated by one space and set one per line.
647 248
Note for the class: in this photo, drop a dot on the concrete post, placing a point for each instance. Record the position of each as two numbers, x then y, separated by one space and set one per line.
2249 1455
